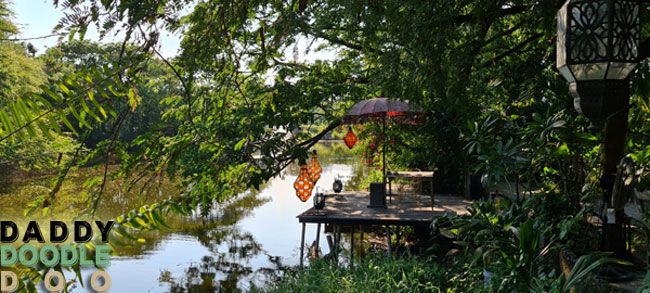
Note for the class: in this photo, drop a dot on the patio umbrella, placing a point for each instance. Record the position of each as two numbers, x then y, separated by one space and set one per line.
378 109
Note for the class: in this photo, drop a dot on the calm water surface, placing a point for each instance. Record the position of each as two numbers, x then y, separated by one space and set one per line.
248 247
246 242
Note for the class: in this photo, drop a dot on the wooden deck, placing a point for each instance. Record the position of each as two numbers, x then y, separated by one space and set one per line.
352 208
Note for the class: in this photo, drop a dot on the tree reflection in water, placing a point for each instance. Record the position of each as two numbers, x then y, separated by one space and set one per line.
230 267
229 270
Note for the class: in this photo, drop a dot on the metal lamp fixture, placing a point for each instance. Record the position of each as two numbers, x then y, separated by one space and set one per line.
337 186
319 200
597 48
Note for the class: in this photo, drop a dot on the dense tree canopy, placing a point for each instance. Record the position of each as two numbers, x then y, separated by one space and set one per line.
480 69
237 106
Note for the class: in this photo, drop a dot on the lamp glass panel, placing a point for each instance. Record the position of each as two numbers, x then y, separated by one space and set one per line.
589 71
619 70
566 72
588 32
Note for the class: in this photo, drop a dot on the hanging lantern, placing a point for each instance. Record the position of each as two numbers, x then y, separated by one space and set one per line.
303 184
314 168
350 139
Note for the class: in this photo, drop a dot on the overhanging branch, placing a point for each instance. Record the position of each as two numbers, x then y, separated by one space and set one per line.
286 160
513 50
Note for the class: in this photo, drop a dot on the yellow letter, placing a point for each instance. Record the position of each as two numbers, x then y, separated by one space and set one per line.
94 281
59 285
8 281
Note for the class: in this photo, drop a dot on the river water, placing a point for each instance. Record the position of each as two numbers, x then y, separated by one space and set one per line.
265 239
247 243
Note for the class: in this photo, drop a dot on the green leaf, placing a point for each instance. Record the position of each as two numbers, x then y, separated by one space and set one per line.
240 144
134 99
67 123
562 150
102 111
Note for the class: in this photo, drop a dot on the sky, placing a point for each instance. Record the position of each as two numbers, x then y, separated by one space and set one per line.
37 18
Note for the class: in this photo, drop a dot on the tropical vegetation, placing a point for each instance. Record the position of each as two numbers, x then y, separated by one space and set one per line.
237 105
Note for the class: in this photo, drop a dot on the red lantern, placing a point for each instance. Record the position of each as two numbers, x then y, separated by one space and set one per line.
314 168
350 139
303 184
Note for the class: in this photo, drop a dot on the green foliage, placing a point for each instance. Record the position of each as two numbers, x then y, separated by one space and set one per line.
36 154
7 27
143 108
523 245
240 98
370 274
20 74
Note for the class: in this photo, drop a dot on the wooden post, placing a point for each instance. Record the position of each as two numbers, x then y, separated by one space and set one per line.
317 237
613 151
352 245
433 202
390 190
388 251
302 244
330 243
361 239
338 237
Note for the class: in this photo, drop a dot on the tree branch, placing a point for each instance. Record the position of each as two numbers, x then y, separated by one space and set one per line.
31 38
337 41
513 50
312 141
502 12
286 160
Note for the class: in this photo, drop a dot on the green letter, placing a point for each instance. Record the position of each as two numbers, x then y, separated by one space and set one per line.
83 257
102 259
22 252
45 259
69 256
8 256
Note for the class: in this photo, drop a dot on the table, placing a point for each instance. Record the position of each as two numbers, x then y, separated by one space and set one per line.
409 175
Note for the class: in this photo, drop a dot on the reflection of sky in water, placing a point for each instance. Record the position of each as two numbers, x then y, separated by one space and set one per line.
274 227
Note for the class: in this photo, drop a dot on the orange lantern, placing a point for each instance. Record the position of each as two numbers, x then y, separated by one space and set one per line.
303 184
350 139
314 168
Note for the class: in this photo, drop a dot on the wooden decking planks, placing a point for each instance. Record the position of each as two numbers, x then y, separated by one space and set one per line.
352 208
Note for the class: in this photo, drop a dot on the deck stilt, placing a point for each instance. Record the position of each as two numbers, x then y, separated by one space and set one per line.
302 245
352 245
388 244
330 243
361 238
317 237
398 235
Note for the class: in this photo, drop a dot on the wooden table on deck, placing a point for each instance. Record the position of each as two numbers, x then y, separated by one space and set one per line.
409 175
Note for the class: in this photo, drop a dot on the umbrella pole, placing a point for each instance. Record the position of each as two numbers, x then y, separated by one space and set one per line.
383 151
